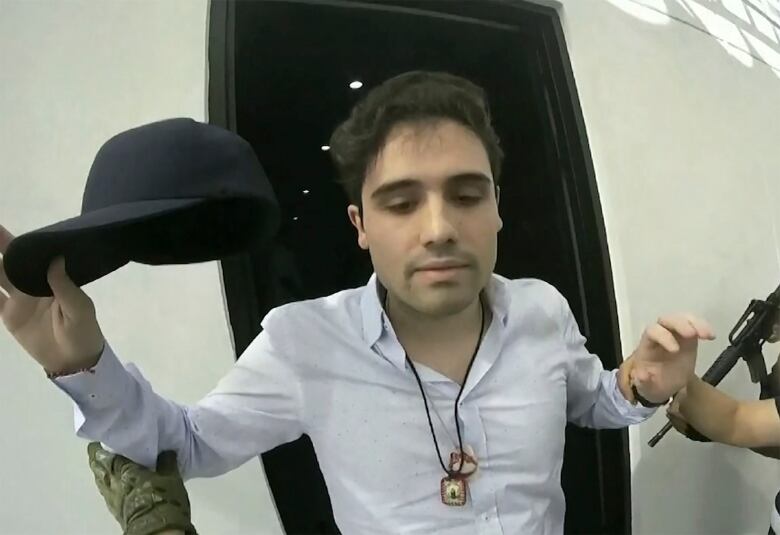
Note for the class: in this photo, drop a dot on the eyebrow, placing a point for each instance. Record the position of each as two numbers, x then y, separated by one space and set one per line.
395 186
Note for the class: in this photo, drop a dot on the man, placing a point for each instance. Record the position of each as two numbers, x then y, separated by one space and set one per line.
437 395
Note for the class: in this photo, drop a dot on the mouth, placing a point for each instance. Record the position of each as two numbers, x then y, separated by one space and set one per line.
449 266
439 271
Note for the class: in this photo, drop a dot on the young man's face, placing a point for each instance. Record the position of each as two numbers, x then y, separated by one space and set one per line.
430 216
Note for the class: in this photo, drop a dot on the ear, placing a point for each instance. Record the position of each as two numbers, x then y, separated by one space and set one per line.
356 219
498 198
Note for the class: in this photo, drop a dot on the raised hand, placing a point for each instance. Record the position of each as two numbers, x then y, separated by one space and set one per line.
665 359
61 332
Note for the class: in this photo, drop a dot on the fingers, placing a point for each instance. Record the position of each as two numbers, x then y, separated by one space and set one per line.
678 324
6 288
4 282
677 422
661 336
669 329
675 416
92 449
71 298
674 409
5 239
703 329
9 292
99 463
104 460
687 326
100 457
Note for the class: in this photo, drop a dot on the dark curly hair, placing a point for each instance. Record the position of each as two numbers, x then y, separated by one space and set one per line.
417 96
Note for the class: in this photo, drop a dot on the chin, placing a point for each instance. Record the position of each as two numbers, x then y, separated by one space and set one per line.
446 302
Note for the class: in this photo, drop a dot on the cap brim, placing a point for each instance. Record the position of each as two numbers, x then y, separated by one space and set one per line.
119 214
96 243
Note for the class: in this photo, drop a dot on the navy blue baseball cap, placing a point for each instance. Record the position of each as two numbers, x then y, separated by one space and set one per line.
170 192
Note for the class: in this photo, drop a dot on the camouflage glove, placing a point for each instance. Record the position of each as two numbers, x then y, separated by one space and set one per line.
143 501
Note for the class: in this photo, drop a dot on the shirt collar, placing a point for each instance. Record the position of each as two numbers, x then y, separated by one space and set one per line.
376 322
372 311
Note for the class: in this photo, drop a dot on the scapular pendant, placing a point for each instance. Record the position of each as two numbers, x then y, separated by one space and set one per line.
455 487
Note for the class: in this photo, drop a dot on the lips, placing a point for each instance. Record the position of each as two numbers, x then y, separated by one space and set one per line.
441 273
442 266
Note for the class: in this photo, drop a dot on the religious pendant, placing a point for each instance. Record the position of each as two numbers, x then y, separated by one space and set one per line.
454 487
464 462
453 490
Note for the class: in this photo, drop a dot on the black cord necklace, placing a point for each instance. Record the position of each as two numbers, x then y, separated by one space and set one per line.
453 485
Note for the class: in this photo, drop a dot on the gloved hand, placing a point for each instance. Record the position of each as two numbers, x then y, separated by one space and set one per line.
143 501
679 422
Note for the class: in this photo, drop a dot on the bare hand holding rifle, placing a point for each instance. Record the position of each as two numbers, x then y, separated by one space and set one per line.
758 325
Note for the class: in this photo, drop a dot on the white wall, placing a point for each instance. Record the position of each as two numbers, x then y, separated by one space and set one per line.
71 75
681 100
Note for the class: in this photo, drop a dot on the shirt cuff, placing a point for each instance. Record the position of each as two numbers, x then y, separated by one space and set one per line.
105 385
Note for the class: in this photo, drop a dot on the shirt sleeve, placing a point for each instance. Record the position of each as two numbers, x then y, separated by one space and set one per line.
593 396
254 408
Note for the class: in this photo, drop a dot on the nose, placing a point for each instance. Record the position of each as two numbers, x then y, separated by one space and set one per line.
438 225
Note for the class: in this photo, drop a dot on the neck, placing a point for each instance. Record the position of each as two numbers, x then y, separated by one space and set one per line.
414 327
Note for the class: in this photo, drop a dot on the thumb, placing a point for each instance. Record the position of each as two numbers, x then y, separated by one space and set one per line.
677 422
674 409
70 297
92 449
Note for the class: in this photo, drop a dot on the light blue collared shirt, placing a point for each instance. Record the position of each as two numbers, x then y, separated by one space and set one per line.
332 368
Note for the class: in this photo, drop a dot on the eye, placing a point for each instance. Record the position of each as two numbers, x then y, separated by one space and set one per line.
468 199
400 207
